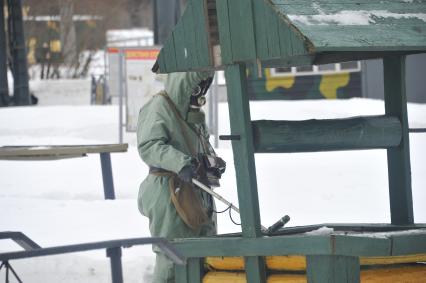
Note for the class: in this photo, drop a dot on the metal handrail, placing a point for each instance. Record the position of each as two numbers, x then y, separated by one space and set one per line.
33 251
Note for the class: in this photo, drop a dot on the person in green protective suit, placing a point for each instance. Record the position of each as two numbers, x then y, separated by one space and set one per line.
171 134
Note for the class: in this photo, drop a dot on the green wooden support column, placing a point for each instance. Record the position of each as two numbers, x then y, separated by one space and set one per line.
245 168
181 274
192 272
332 269
399 169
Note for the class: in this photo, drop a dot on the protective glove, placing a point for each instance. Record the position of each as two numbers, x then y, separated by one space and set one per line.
188 172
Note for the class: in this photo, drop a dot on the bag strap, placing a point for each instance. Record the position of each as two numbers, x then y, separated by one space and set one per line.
182 122
204 142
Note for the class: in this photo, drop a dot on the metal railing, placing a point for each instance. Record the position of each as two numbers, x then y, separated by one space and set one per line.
113 251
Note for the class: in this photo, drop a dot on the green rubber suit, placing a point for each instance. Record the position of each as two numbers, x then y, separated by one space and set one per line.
161 144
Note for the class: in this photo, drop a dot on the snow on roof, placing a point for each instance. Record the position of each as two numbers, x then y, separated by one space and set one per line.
350 17
125 34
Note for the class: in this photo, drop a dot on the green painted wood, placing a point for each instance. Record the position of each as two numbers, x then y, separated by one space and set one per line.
195 270
273 34
180 46
224 31
287 245
245 168
239 113
324 135
241 21
399 168
414 243
298 8
161 62
170 56
332 269
181 274
200 30
285 39
367 246
344 2
255 269
261 28
190 41
331 38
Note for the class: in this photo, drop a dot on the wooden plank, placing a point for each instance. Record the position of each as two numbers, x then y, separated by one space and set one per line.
297 8
324 135
241 20
285 39
332 269
255 269
59 150
261 28
285 245
414 243
399 168
239 113
188 25
170 56
344 2
333 38
195 270
224 31
245 168
181 273
359 245
273 34
180 47
200 31
161 63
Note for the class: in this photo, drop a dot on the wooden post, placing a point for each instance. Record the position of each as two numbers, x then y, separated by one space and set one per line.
332 269
195 270
181 274
116 268
107 175
245 168
399 169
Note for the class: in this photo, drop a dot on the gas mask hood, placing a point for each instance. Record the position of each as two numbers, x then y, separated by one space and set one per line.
198 95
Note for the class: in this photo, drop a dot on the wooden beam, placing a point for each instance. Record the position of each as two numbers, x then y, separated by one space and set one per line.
288 245
245 168
399 168
323 135
332 269
195 270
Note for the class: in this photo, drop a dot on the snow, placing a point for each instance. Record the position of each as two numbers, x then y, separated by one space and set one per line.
351 17
61 202
130 37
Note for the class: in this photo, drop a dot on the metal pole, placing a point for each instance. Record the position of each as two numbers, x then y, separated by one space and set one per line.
116 268
219 197
21 94
216 111
4 86
107 179
120 95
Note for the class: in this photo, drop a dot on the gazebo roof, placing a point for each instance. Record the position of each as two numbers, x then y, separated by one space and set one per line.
215 33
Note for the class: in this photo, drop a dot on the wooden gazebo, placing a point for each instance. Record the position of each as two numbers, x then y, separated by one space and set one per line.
229 34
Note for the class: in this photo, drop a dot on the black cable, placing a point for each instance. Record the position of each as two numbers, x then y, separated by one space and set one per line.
230 216
223 210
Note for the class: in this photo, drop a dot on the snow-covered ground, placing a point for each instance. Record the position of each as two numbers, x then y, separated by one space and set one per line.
61 202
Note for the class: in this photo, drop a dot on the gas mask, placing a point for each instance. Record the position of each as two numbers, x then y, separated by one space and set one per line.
198 95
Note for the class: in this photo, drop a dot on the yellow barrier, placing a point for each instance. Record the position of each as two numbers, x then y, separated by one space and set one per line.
298 263
408 274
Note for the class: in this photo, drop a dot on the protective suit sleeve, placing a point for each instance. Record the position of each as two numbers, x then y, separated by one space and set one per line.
153 138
